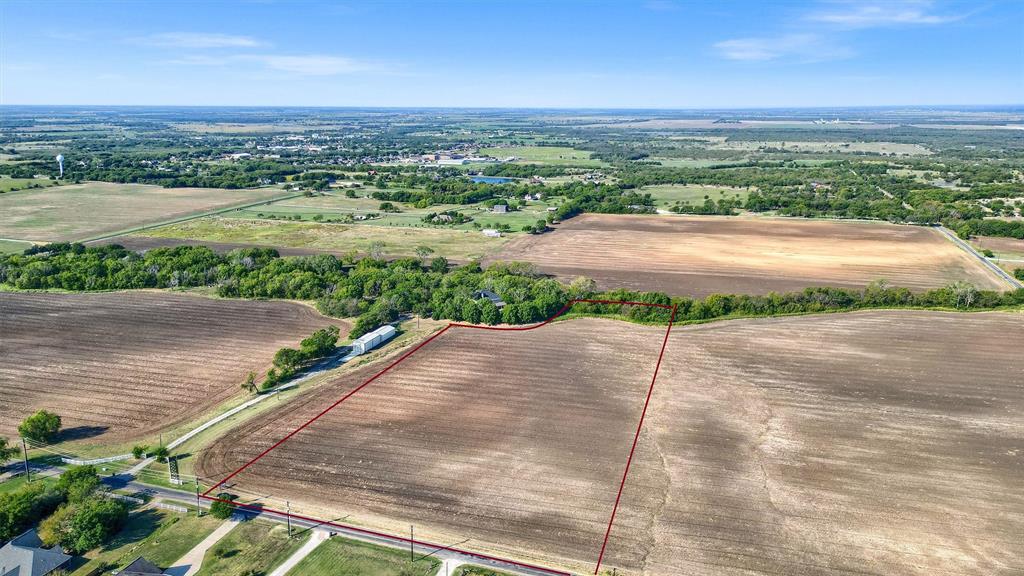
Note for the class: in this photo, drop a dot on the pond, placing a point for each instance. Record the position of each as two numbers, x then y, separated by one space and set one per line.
490 180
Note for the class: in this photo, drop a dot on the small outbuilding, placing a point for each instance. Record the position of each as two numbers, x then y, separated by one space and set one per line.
500 208
371 340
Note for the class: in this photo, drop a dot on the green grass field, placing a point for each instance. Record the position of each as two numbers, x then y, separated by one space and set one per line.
342 557
668 194
8 184
557 155
14 246
252 547
162 537
397 240
79 211
338 206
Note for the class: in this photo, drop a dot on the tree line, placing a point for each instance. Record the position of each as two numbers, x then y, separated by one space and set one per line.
376 291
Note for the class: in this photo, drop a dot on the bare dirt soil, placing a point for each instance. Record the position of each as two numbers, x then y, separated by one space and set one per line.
117 366
516 440
869 443
697 256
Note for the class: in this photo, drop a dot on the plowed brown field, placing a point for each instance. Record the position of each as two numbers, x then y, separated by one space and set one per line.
873 442
119 366
514 439
697 256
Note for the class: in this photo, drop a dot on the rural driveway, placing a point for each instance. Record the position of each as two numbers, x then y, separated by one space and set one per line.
192 561
318 538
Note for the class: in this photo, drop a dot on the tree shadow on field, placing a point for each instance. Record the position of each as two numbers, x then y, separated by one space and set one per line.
81 432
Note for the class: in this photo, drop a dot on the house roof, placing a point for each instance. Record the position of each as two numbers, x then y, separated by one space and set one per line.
25 556
140 567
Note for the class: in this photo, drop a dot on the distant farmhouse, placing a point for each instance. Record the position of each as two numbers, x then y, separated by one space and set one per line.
487 294
25 556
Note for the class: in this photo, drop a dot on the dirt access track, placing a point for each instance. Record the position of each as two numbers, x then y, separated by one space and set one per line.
872 442
118 366
697 256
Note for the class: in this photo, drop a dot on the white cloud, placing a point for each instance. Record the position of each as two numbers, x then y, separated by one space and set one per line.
313 64
301 65
800 47
859 15
197 40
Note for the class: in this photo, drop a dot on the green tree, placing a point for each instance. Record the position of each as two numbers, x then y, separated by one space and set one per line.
41 426
439 264
83 526
423 252
139 451
223 507
6 450
249 384
161 453
24 507
78 483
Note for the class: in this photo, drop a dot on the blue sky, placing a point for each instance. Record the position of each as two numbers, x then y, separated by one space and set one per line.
643 54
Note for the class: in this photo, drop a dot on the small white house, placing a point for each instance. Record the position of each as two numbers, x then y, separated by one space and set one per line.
491 233
500 208
371 340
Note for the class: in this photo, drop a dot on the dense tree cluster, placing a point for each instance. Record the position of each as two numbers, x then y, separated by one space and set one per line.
377 291
72 512
289 361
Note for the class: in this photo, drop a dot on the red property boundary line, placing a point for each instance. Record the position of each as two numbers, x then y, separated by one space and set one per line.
622 483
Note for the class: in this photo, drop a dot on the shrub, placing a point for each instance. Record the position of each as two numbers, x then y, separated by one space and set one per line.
223 507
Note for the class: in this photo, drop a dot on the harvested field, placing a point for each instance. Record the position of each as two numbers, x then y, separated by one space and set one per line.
78 211
119 366
872 442
697 256
869 443
521 451
1009 251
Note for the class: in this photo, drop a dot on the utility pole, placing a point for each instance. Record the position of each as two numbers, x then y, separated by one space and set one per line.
199 505
24 450
412 538
288 514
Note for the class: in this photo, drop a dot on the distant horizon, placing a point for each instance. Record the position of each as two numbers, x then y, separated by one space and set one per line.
1010 106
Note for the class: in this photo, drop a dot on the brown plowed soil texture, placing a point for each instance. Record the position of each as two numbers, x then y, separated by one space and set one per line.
884 443
119 366
694 256
514 439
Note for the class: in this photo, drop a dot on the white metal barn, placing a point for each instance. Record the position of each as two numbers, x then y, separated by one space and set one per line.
371 340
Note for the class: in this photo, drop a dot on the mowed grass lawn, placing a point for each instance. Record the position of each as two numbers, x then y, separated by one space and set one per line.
162 537
342 557
253 547
397 240
668 194
79 211
543 155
